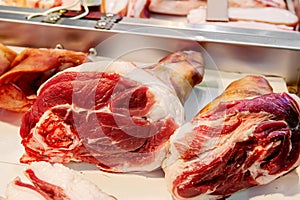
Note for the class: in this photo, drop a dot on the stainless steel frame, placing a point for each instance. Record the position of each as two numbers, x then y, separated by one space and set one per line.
272 53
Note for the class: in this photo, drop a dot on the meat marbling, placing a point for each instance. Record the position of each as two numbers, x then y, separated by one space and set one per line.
241 139
114 115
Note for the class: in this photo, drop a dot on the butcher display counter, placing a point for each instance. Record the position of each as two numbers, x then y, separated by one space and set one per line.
231 49
229 53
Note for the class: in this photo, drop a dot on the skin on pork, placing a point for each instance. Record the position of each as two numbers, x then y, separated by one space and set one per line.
246 137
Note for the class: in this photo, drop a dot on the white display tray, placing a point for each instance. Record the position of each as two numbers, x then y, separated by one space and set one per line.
150 186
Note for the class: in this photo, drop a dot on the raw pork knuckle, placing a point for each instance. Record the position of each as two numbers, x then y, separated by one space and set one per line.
111 114
242 139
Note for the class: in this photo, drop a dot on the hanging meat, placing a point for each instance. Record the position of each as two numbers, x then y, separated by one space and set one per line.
128 8
28 70
111 114
246 137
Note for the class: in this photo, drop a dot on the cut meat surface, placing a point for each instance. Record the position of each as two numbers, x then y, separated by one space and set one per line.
115 6
17 190
53 182
234 144
112 114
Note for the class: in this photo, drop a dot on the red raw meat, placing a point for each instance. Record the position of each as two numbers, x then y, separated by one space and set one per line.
118 117
236 143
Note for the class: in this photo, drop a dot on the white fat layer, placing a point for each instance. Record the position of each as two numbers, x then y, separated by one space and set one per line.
167 105
16 192
177 137
158 157
73 184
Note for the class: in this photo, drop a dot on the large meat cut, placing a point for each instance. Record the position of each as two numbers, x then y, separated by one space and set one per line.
246 137
270 16
112 114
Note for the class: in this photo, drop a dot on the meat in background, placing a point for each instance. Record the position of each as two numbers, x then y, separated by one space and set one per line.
7 56
25 72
